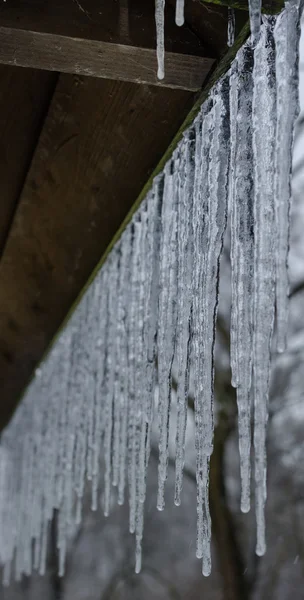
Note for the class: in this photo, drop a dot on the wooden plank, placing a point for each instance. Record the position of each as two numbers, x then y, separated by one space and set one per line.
100 59
24 99
100 143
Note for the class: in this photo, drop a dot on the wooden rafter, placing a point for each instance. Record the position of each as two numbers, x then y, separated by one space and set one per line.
100 59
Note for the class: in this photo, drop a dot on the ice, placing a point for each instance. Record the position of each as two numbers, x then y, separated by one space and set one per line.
160 37
179 14
89 410
209 221
184 299
264 123
286 37
255 7
110 366
166 319
242 242
231 27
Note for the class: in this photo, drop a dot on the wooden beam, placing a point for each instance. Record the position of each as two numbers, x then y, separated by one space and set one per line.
100 59
100 41
24 99
99 145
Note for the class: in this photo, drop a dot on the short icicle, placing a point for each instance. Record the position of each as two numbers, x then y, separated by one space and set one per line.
255 10
231 27
179 12
160 37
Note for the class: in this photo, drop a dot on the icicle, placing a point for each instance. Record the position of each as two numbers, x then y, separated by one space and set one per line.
140 290
120 385
160 37
234 92
135 335
109 376
255 8
151 270
179 13
167 323
231 27
286 34
209 220
241 208
263 111
155 300
184 302
99 369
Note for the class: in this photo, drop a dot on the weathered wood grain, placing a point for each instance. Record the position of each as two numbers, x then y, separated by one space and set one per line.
100 59
100 142
24 99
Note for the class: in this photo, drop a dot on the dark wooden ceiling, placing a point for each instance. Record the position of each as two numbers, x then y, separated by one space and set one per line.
76 150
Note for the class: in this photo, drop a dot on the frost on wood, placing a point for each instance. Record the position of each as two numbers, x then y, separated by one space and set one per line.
89 411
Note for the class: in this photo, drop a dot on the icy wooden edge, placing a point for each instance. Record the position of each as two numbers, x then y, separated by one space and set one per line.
270 7
220 70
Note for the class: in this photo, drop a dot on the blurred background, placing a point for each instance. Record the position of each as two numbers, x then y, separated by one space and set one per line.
100 563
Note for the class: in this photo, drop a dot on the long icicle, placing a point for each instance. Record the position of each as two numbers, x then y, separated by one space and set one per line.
286 35
184 302
263 114
209 242
167 323
241 208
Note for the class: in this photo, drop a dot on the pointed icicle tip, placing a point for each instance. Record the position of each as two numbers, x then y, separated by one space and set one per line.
179 14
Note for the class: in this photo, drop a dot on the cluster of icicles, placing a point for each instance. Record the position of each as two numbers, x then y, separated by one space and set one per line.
254 6
154 302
